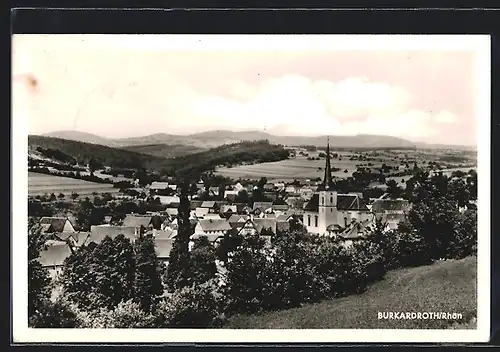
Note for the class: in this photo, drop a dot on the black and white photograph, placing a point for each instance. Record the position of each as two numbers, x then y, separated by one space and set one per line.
261 188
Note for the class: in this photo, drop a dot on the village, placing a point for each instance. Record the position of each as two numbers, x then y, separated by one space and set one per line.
316 206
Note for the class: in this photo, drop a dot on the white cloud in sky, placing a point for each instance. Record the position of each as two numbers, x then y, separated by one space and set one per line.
298 105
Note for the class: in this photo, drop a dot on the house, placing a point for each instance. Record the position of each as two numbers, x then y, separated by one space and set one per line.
158 186
238 187
230 195
280 207
213 191
291 189
327 207
391 211
212 227
265 228
228 210
262 206
172 212
236 221
163 247
164 233
53 256
167 200
99 232
193 204
201 212
280 186
56 224
214 239
211 205
138 221
355 231
306 192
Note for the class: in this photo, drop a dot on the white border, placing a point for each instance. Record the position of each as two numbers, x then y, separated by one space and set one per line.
478 43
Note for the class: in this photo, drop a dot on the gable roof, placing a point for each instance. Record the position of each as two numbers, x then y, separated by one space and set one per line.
53 224
381 205
163 247
208 204
355 229
262 205
214 224
211 237
136 220
344 202
225 208
163 234
193 204
98 233
172 211
158 185
200 212
54 254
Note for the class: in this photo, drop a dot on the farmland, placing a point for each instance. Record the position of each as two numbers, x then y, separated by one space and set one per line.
40 184
299 168
302 167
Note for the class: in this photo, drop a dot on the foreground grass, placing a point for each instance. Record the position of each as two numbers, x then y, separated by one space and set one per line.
448 286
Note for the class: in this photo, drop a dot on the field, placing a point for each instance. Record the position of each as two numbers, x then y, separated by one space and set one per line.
40 184
300 168
448 286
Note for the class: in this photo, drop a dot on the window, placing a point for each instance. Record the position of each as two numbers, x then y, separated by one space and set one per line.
323 200
331 209
331 200
316 221
308 220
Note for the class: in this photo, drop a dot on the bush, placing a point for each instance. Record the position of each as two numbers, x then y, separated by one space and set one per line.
58 314
197 306
125 315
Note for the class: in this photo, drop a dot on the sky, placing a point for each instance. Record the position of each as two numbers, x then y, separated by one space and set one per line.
125 86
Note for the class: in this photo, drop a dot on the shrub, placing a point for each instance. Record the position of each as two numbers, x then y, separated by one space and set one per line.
126 314
58 314
197 306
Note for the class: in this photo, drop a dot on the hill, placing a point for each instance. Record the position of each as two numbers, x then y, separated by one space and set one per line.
164 150
216 138
448 286
224 155
82 137
82 152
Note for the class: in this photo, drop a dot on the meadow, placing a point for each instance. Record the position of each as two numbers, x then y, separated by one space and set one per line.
300 168
40 184
447 286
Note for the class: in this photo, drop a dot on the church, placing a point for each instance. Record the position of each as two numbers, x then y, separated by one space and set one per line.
328 212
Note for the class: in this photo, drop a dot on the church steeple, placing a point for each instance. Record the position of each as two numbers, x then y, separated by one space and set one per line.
327 180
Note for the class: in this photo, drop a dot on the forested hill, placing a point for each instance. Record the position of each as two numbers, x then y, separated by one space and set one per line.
227 155
224 155
83 152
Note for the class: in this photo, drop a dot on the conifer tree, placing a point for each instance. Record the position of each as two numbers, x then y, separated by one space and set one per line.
178 268
147 283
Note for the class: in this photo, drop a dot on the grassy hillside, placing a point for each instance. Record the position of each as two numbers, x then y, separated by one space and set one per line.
164 150
448 286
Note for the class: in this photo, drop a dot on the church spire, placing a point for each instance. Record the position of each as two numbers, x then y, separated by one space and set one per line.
327 180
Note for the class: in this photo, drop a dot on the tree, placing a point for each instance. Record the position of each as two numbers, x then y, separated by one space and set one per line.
178 269
61 196
74 195
393 189
202 260
38 277
147 282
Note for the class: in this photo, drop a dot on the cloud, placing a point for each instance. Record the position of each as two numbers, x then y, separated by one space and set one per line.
293 104
446 117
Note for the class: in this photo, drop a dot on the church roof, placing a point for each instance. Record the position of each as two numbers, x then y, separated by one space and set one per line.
327 183
344 202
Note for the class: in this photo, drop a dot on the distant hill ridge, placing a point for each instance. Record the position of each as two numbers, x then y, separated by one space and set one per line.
210 139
